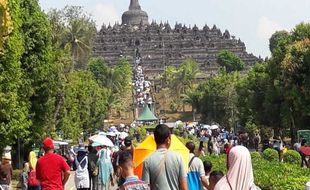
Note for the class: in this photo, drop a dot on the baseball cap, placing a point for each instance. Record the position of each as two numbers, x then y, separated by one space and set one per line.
48 143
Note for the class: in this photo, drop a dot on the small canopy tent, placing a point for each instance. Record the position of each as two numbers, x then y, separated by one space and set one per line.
147 115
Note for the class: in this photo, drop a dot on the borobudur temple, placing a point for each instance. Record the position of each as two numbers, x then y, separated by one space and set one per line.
158 45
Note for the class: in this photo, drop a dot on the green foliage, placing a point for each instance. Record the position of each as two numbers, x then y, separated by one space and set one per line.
218 99
218 162
269 175
116 80
256 156
270 155
84 106
301 32
278 42
38 68
14 121
180 80
16 175
292 157
230 61
75 30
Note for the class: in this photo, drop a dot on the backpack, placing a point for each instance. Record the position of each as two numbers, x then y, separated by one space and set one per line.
32 179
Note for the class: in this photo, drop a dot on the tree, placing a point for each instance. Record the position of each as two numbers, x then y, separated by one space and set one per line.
74 30
38 69
14 118
219 99
296 73
278 43
5 23
301 32
192 98
230 61
116 80
84 107
180 80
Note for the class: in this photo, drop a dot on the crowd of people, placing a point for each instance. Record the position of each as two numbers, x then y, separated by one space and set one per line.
101 168
142 87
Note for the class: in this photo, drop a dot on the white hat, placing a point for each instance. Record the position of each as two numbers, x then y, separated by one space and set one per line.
7 157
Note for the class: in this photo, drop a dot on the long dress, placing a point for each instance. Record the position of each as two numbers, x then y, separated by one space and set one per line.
105 168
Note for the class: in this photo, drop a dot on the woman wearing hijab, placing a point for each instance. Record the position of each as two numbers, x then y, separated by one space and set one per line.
81 169
240 172
33 183
105 169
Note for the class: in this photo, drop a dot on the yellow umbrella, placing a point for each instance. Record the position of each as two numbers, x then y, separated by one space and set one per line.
148 146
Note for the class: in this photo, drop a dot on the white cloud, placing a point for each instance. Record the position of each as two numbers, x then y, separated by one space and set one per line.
266 27
105 13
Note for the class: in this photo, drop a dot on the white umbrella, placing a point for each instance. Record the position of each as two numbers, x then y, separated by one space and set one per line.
111 133
214 127
206 126
102 140
117 132
123 135
95 136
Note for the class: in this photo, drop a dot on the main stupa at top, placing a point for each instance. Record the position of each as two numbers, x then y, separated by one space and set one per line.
135 15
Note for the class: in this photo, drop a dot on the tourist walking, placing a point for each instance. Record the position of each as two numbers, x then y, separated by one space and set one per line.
207 165
105 169
6 173
164 169
240 173
215 176
23 178
196 178
80 166
93 168
33 183
51 169
126 167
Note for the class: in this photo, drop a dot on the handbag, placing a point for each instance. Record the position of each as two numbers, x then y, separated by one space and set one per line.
96 171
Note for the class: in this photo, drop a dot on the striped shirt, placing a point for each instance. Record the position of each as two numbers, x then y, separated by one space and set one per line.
133 183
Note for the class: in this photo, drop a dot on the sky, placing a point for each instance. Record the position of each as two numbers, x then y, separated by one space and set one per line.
253 21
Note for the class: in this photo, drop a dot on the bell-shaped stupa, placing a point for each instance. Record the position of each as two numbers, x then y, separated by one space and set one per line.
135 16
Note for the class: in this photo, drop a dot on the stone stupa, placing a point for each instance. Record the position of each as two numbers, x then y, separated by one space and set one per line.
135 15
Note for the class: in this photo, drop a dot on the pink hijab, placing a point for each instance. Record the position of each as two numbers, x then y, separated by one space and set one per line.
240 173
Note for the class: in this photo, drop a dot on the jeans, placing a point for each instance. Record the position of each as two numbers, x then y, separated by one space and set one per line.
94 182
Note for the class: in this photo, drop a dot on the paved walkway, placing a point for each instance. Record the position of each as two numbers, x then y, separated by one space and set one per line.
71 186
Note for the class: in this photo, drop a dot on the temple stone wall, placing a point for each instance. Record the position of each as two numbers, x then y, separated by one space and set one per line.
160 45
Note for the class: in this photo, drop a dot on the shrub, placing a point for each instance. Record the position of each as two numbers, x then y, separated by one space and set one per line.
16 174
271 155
270 175
292 157
256 156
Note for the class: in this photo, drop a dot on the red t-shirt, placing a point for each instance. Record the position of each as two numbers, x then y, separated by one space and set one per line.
49 171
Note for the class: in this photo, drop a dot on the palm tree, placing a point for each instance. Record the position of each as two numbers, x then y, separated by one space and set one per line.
192 98
78 36
73 30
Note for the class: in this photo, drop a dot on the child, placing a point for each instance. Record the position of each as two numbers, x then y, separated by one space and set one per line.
208 168
23 180
126 167
215 176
